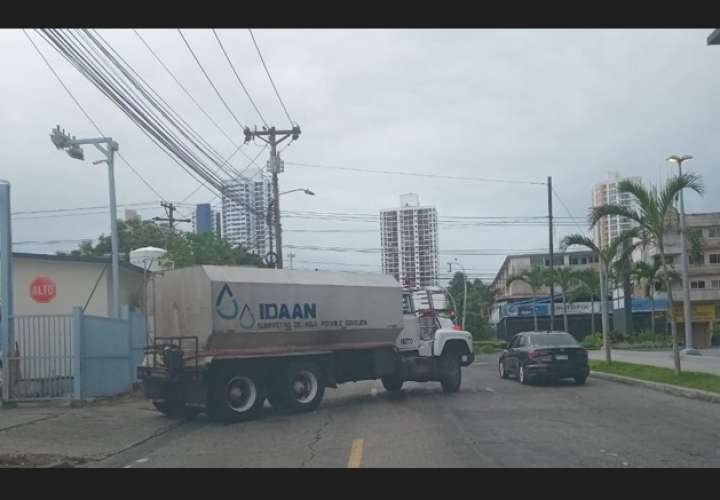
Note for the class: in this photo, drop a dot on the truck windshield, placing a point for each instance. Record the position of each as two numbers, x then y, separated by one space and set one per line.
407 304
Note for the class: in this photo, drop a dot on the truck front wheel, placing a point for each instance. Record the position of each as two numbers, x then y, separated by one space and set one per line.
299 388
450 373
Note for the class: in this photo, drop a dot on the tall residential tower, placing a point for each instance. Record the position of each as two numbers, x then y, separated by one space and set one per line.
243 226
609 228
409 240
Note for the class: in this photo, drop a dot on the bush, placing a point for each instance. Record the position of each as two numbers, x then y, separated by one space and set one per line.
488 346
593 341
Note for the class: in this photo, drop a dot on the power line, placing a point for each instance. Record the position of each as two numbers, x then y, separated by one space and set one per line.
87 115
262 60
238 77
468 252
415 174
567 210
210 80
133 106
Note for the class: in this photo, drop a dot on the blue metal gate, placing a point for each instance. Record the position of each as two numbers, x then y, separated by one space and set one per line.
72 356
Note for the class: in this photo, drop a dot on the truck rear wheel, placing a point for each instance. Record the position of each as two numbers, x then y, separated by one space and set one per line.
299 388
237 396
392 383
450 373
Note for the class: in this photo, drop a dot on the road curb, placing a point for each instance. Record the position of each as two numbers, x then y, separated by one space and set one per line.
698 394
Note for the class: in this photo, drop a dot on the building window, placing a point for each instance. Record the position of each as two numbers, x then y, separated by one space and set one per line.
714 258
714 232
700 259
697 284
715 284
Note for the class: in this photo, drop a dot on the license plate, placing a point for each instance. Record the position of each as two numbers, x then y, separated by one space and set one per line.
561 357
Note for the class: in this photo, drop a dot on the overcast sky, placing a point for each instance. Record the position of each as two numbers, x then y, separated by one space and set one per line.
509 104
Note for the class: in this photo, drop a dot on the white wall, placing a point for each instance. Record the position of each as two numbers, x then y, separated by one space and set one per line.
74 283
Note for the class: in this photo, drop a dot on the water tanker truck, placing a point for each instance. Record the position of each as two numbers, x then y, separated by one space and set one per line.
227 338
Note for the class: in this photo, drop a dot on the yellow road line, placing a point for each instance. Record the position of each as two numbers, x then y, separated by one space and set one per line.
356 453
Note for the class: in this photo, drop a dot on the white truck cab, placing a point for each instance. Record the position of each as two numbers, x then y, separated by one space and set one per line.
431 345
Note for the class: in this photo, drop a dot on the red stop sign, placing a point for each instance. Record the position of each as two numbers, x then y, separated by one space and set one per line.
42 289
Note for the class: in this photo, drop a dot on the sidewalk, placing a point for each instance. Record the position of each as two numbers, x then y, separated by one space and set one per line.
44 435
709 362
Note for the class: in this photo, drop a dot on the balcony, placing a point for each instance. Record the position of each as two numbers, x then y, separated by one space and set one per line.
696 295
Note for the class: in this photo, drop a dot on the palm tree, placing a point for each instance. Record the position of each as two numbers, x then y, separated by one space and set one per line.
535 278
588 280
605 257
654 215
642 271
651 275
565 277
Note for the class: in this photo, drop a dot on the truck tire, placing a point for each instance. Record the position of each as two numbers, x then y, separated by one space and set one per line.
176 409
236 396
450 372
299 388
392 383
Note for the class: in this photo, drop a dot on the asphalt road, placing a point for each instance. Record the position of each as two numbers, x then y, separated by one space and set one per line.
489 423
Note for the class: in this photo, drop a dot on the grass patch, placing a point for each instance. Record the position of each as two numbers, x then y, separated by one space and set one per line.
488 346
692 380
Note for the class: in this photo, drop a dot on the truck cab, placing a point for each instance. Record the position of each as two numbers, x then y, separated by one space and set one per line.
431 345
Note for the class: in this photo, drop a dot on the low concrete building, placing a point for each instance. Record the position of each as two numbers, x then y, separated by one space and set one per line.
515 264
703 274
54 284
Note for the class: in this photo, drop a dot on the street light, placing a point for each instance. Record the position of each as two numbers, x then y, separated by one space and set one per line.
278 226
71 145
689 348
465 289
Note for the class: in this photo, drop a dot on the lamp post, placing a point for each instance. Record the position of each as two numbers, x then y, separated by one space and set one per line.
689 347
71 145
464 289
278 226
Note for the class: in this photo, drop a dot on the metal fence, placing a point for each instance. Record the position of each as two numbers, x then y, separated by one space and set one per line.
72 356
40 362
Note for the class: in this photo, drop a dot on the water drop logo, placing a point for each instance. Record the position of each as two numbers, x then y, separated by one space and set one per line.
227 295
247 320
227 307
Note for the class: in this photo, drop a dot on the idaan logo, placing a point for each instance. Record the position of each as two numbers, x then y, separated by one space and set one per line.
227 307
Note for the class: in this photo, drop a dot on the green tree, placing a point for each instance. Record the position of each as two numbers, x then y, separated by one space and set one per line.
183 249
605 256
189 249
479 301
654 214
565 278
535 278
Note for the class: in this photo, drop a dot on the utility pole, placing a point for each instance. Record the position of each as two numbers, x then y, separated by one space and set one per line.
552 257
170 209
273 137
7 337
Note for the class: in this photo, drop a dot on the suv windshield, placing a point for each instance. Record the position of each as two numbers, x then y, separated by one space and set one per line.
553 339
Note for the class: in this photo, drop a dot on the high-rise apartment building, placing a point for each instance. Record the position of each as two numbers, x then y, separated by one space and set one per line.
609 228
243 226
205 219
409 240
